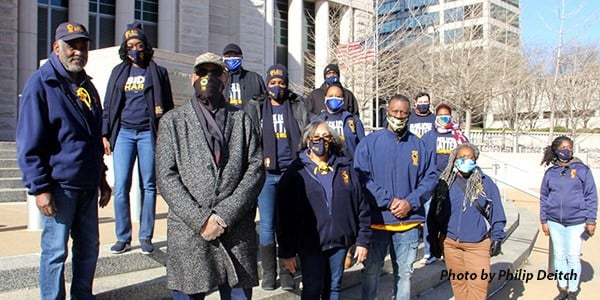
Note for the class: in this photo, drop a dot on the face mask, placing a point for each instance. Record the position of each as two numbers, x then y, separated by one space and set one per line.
396 124
465 165
319 148
277 93
208 88
443 120
563 155
233 63
334 103
135 55
423 108
332 79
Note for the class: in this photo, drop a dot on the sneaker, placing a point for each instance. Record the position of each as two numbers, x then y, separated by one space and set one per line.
572 296
119 247
147 247
562 295
427 259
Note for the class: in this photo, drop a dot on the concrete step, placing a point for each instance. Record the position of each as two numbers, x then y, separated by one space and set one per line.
11 183
13 195
8 154
8 163
10 172
8 146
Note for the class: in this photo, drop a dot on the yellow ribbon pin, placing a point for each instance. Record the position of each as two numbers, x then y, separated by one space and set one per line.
84 96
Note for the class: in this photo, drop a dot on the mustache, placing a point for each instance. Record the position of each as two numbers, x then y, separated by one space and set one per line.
77 57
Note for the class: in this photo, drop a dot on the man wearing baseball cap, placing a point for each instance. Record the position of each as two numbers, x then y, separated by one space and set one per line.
209 171
59 152
243 85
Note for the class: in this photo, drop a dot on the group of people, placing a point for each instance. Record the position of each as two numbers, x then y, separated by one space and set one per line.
324 190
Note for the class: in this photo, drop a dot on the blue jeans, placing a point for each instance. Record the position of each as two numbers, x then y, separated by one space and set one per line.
225 292
76 215
266 210
322 274
403 247
129 145
566 244
426 247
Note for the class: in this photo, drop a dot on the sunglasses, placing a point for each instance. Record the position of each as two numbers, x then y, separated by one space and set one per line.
204 71
317 138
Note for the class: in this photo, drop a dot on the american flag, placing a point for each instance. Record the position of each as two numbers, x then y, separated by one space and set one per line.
360 51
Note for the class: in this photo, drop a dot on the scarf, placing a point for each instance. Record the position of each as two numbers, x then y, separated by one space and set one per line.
269 140
123 70
213 125
454 129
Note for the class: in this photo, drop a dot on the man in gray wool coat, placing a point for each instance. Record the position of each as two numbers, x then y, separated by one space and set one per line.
210 172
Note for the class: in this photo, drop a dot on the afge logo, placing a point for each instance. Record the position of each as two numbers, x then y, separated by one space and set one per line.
131 33
73 28
415 157
276 72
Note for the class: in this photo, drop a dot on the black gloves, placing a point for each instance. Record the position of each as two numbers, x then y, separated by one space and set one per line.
495 248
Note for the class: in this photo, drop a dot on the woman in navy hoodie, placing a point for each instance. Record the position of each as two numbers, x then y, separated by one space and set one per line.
321 212
568 207
467 217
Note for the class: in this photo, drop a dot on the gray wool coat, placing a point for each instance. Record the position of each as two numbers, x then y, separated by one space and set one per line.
194 187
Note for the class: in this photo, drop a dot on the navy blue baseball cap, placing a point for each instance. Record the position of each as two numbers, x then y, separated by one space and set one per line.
69 31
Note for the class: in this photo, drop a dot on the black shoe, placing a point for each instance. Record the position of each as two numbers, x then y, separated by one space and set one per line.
147 247
572 296
562 295
119 247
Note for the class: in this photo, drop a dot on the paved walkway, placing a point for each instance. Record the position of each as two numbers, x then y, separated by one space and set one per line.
16 240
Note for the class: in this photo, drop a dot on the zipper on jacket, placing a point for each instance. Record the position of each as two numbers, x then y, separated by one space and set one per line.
562 194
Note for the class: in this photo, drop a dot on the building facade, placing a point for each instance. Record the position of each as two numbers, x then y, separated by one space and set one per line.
268 31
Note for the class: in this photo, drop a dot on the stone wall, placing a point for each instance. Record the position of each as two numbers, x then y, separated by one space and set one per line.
8 66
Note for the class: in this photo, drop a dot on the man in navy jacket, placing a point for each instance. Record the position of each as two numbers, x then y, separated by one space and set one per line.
59 152
397 169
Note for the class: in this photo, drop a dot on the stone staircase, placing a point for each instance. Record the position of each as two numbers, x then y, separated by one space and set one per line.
11 188
132 275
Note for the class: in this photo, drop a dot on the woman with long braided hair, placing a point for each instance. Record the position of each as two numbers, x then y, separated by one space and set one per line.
467 220
568 207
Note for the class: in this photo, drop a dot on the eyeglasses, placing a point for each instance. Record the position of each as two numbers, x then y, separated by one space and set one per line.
204 71
317 138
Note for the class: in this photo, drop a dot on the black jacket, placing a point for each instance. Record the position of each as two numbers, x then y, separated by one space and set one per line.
316 101
254 109
251 84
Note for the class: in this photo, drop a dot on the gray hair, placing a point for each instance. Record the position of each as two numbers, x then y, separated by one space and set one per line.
474 183
336 145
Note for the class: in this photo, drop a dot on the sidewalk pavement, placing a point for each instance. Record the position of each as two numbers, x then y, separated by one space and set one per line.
16 240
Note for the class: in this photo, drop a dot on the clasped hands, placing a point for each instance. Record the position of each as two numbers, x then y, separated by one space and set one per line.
400 208
213 227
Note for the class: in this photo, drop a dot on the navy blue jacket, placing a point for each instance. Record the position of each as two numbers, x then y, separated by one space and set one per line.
442 145
158 87
349 128
467 224
419 125
568 194
59 142
307 222
395 167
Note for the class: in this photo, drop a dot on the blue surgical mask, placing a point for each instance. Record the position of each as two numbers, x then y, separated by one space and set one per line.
465 165
135 55
334 103
318 148
443 120
563 155
233 63
423 108
332 79
277 93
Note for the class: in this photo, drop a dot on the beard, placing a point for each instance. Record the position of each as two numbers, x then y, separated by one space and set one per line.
73 63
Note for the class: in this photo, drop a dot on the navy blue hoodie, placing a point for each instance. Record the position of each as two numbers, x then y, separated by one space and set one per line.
59 143
568 194
347 126
395 167
307 222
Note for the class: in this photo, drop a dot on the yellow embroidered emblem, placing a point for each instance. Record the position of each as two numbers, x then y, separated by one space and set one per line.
573 173
345 177
323 168
85 97
131 33
415 157
267 162
158 110
351 125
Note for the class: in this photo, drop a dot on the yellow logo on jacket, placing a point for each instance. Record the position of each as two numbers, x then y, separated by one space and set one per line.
415 157
351 125
573 173
345 177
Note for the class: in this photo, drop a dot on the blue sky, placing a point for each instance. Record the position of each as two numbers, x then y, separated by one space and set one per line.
540 22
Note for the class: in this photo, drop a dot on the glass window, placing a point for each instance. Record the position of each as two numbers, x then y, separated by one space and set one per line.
102 23
146 12
50 14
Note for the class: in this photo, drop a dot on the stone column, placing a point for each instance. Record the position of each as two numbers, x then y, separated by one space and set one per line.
124 14
346 25
295 44
79 11
321 39
27 45
167 25
269 54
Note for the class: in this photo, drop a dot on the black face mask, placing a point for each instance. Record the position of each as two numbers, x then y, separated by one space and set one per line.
208 90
